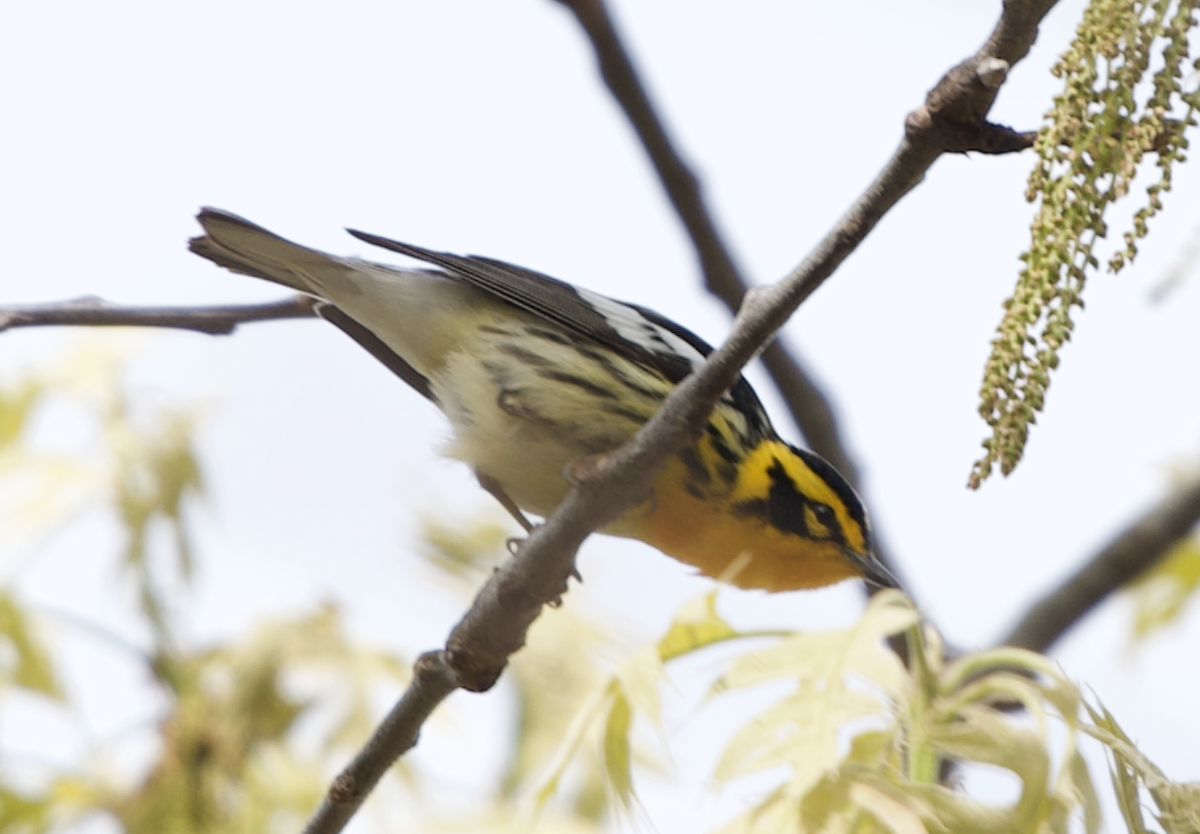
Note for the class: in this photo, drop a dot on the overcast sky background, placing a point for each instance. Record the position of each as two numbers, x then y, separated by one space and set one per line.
482 127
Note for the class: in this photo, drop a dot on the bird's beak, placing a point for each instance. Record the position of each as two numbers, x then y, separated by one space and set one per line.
873 571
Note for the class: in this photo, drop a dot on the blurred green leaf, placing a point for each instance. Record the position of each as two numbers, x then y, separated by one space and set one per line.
897 724
29 663
695 626
1178 802
17 402
228 760
1163 593
617 758
22 814
832 654
890 814
463 550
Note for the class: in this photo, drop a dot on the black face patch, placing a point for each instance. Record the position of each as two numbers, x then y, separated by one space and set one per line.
838 484
785 507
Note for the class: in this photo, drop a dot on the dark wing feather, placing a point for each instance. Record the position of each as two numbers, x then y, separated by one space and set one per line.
543 296
633 332
376 347
741 394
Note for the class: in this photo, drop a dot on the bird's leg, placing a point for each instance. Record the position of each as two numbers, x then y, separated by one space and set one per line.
496 491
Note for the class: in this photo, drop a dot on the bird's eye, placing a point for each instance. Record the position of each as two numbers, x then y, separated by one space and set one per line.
825 514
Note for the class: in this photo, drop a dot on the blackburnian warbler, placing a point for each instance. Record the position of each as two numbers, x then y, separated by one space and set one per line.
535 374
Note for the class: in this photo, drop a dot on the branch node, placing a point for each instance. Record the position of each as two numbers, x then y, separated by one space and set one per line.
588 469
992 72
344 790
472 674
918 121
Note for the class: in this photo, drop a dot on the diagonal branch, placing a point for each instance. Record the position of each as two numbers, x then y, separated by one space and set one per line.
96 312
809 406
1136 549
605 487
958 109
608 485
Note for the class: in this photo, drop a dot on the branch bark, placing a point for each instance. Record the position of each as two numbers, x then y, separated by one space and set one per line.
478 648
1135 550
809 406
954 112
433 681
96 312
608 485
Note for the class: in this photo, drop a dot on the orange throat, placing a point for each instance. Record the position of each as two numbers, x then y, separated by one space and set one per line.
741 549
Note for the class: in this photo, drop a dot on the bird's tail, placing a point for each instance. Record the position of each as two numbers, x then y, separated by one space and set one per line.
241 246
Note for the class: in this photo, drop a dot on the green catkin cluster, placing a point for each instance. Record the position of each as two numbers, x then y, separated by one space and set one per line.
1096 136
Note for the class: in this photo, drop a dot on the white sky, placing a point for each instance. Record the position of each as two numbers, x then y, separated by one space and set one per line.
482 127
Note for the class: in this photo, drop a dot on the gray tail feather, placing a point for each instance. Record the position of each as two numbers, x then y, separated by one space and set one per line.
248 249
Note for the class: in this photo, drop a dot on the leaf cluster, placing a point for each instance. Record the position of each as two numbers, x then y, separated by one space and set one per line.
229 745
860 742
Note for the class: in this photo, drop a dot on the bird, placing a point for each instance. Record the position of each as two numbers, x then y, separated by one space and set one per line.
535 375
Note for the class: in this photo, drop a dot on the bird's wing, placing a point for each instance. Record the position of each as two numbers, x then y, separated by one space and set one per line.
636 333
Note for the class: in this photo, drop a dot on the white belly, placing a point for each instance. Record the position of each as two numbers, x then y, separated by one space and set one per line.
523 408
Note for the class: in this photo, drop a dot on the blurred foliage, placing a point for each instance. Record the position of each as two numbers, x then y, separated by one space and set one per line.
27 662
1178 804
247 733
43 487
604 724
1162 594
1097 134
463 552
858 744
249 729
1184 266
230 759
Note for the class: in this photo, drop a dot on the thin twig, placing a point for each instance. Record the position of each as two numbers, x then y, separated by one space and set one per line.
96 312
680 183
608 485
1188 258
1135 550
432 682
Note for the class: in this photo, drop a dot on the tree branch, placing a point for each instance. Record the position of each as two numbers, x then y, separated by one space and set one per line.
809 406
608 485
433 681
96 312
605 486
953 115
1137 549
